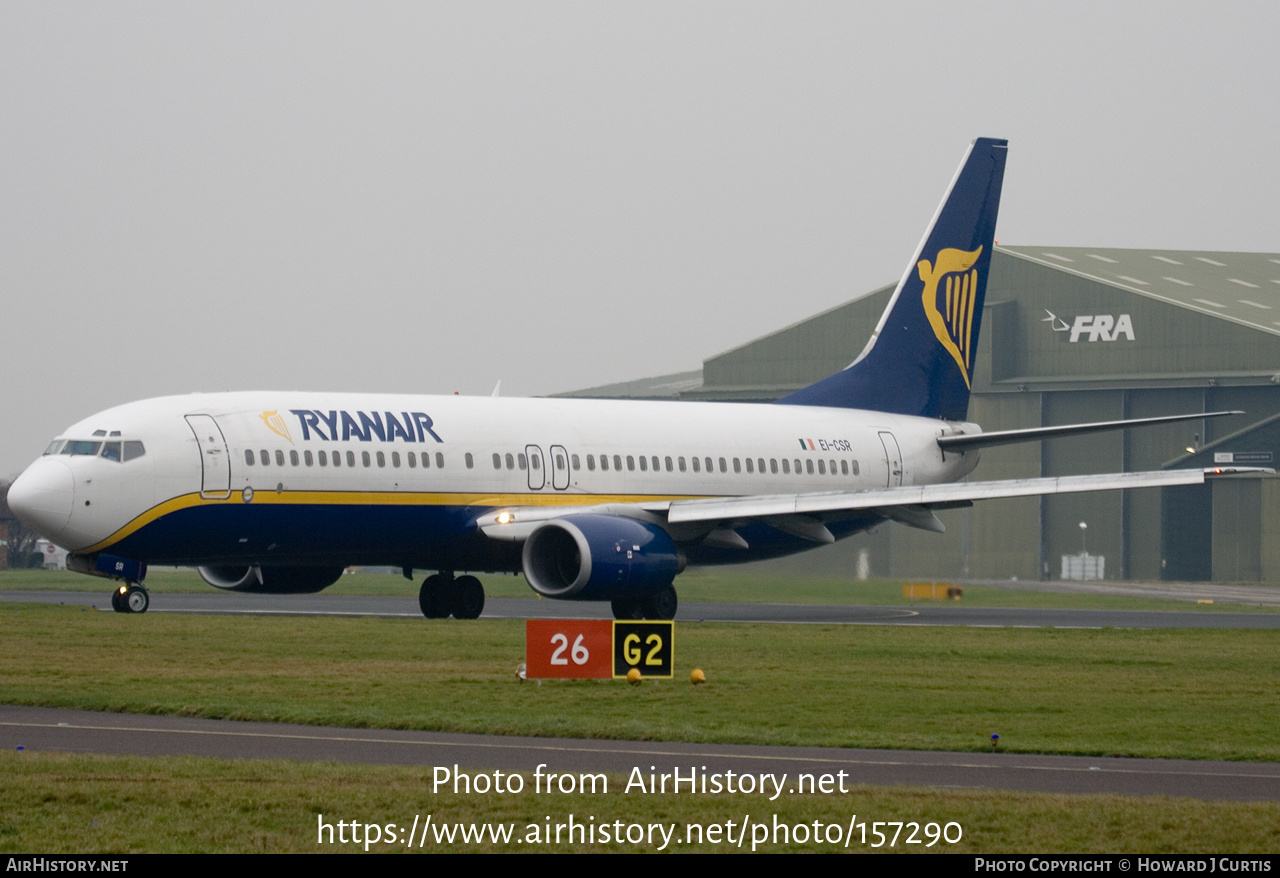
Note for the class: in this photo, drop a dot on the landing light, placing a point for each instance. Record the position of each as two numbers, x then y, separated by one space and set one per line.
504 518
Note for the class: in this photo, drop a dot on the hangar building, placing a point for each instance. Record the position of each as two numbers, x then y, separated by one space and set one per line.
1073 335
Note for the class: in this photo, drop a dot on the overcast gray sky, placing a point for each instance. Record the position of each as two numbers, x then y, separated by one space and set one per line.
430 197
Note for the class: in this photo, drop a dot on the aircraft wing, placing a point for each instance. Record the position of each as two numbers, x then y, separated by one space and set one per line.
924 495
802 514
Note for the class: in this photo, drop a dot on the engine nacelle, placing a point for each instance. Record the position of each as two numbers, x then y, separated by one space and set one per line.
599 557
271 580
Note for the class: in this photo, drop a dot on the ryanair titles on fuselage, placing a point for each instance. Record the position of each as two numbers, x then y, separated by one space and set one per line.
340 426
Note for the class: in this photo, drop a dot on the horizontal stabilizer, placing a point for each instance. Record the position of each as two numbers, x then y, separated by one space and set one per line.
965 441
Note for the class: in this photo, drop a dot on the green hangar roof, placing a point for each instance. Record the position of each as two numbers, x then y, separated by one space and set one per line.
1055 318
1241 287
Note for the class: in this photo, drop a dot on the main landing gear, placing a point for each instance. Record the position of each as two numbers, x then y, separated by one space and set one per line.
661 604
443 596
130 597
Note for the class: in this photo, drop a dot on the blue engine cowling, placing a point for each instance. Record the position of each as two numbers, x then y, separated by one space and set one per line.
599 558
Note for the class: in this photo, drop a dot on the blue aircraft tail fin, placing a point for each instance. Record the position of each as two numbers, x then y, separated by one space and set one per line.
919 360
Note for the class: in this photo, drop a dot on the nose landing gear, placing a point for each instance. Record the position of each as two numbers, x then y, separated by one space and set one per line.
130 597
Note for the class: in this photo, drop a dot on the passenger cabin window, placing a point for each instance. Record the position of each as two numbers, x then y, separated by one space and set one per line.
293 458
364 457
279 457
248 456
413 460
439 459
382 460
306 456
470 461
324 459
351 458
265 457
497 460
644 464
337 458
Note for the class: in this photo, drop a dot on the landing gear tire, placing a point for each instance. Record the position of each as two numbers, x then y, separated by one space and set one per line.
662 604
136 599
468 598
117 602
627 609
433 598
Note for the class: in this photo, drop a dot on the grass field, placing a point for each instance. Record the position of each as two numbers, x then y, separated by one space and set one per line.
1202 694
79 804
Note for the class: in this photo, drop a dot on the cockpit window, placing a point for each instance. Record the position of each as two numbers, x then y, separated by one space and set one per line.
82 447
114 450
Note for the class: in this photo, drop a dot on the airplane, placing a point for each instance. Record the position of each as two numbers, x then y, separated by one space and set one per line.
597 500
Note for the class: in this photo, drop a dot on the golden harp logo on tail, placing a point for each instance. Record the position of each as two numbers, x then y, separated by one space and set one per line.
950 305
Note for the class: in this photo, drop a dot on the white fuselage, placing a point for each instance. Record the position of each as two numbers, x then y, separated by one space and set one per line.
210 460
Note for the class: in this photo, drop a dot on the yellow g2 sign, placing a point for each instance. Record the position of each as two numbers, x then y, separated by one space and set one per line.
649 647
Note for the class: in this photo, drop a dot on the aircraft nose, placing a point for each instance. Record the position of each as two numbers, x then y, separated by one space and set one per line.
42 496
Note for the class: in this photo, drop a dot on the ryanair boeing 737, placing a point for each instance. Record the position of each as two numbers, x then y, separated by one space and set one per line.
591 500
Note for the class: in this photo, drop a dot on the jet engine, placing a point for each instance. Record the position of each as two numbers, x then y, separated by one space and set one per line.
271 580
600 557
